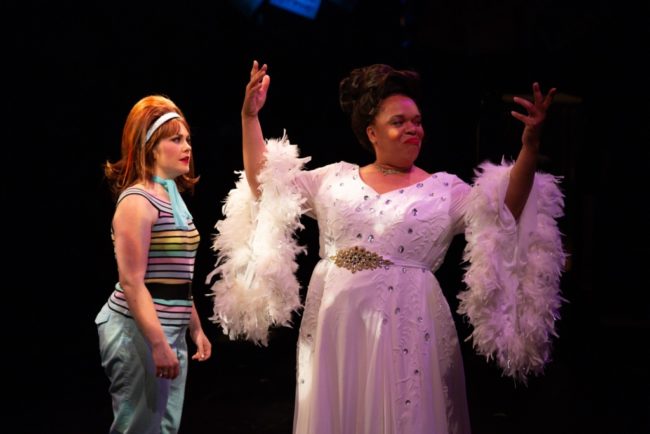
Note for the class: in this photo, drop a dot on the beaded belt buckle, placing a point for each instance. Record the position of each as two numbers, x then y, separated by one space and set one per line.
358 258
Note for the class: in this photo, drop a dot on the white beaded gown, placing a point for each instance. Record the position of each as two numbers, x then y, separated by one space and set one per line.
378 351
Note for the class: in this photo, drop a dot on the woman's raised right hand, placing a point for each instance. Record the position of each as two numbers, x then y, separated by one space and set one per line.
256 90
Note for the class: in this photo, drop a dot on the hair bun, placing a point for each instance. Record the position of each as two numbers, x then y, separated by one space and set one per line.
362 82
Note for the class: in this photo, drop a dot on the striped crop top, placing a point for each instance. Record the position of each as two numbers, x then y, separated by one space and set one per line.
170 265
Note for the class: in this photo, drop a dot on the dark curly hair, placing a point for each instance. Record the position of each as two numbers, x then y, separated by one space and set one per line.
363 90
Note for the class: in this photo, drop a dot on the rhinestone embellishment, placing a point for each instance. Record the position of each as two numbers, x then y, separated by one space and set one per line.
358 258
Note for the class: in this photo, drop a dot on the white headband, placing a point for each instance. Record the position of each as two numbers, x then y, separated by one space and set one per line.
161 120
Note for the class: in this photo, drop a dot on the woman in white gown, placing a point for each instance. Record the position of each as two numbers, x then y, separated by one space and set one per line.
378 352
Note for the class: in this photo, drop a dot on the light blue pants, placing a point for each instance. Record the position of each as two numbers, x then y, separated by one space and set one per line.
142 402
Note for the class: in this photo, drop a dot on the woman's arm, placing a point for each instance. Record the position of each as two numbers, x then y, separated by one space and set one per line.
522 173
203 345
132 223
253 145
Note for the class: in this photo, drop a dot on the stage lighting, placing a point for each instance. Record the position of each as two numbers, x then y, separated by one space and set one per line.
305 8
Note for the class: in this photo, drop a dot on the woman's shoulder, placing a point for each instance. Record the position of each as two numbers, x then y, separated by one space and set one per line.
136 204
450 182
334 168
140 191
449 177
327 173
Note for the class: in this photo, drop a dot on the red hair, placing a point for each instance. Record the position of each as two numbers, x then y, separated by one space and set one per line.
136 163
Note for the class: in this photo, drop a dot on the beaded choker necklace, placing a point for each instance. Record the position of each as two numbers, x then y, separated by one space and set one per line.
390 171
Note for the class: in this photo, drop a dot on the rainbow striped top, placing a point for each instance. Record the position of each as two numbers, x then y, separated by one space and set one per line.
170 267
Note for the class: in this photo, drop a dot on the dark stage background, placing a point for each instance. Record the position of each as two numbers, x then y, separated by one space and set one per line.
72 73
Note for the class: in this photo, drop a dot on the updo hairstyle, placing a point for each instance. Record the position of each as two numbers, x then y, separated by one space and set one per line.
363 90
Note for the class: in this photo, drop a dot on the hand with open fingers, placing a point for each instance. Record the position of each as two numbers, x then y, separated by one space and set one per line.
256 90
534 120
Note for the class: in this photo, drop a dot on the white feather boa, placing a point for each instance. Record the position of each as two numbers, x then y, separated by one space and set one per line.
513 272
256 259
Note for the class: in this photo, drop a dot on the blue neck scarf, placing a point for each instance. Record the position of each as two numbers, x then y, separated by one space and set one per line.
179 209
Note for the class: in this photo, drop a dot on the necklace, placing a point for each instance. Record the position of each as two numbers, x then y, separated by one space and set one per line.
390 171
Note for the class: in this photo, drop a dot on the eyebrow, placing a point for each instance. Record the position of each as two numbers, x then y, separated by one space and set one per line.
403 116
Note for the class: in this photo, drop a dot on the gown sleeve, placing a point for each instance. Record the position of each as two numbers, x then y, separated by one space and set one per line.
513 271
256 249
